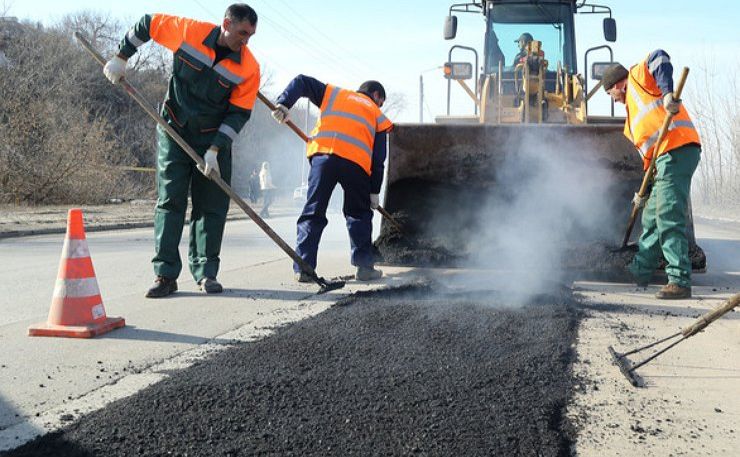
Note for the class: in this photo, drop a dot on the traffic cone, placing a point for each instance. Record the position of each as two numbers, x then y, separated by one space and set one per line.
76 308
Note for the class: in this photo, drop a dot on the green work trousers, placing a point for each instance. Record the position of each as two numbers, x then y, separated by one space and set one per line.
665 216
176 174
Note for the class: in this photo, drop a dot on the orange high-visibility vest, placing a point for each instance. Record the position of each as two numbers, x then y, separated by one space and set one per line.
187 35
347 126
645 115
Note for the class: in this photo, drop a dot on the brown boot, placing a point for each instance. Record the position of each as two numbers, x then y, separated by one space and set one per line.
162 287
673 291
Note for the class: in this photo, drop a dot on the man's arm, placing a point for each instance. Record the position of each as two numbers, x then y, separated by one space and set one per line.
165 29
660 66
239 111
302 86
378 164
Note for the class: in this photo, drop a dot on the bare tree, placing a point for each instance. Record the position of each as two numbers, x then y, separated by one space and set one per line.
394 104
713 101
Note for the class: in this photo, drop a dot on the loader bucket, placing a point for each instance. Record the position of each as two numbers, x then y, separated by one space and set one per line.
439 176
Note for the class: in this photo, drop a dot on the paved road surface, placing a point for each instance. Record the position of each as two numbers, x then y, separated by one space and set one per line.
42 380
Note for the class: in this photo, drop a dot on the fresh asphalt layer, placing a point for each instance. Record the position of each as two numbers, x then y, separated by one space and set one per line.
410 371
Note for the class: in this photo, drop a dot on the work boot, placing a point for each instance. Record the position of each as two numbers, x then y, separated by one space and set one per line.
162 287
368 274
303 277
210 286
672 291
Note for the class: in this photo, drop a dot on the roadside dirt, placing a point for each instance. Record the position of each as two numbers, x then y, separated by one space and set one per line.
39 220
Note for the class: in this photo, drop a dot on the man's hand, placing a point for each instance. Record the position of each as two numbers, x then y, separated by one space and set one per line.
211 163
671 104
639 201
374 201
115 69
281 114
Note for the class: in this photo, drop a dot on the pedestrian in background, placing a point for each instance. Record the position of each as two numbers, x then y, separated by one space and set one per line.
254 186
210 97
267 189
647 91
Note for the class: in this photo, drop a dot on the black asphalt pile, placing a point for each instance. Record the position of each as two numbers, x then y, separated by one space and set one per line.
415 371
438 222
442 229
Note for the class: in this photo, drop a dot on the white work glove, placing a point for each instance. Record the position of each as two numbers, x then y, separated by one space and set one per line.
374 201
280 114
115 69
211 163
671 104
639 201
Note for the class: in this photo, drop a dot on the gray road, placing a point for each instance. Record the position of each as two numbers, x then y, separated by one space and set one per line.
41 376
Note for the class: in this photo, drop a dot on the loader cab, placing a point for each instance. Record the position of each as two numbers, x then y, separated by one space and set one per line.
549 23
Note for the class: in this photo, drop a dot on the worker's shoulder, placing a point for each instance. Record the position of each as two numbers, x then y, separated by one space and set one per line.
184 22
249 62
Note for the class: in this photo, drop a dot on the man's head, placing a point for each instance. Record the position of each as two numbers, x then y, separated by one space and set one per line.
374 90
615 82
524 39
240 23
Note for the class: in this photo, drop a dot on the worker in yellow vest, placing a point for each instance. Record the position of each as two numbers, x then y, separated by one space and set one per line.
347 147
647 91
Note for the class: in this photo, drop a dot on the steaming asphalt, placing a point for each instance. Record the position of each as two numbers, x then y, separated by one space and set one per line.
397 372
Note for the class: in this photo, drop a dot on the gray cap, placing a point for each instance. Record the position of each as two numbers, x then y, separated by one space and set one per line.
613 75
527 37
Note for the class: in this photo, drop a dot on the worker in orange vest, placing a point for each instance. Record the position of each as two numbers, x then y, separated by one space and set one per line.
647 91
210 97
347 147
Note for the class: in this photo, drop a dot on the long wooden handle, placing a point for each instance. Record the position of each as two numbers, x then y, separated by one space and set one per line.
271 106
711 316
649 172
136 95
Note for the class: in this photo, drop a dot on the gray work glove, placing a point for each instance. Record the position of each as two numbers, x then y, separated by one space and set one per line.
280 114
374 201
671 104
639 201
211 163
115 69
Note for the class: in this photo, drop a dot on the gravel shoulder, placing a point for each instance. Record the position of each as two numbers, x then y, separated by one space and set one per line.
40 220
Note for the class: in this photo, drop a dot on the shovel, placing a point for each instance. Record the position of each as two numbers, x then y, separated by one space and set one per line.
325 285
628 368
271 106
651 168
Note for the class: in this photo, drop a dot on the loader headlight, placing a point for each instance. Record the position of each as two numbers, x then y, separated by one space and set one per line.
598 69
458 70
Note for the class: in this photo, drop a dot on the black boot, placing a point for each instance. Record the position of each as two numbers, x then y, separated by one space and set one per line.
210 286
162 287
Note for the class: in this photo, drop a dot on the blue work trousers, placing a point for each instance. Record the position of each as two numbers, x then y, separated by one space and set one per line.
326 172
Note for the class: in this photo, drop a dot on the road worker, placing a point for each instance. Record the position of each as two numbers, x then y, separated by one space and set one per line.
211 94
647 91
347 147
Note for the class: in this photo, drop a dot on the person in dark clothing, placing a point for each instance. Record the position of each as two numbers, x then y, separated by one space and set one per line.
254 186
347 147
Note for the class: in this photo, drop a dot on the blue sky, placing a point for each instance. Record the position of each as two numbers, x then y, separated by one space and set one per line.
346 42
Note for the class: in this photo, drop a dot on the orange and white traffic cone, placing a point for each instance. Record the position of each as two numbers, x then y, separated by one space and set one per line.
76 308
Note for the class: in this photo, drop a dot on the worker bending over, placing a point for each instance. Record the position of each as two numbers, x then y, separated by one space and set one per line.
210 97
347 147
647 91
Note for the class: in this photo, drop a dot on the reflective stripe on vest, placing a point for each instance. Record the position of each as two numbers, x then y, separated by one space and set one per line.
347 127
645 116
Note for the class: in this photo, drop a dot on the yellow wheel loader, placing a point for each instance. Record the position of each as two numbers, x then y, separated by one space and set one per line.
451 183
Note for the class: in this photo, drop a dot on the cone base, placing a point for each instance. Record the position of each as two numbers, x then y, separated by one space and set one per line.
77 331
